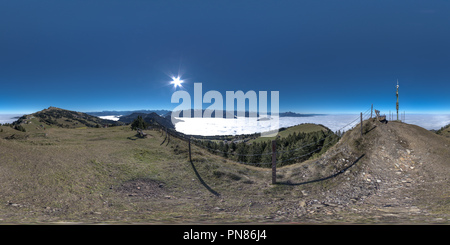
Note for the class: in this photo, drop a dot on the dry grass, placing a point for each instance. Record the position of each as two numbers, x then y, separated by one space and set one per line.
75 175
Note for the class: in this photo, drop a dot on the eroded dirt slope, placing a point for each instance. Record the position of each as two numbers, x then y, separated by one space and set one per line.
395 173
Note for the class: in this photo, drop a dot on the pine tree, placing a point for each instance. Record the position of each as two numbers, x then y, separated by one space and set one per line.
241 150
225 150
139 123
266 158
255 151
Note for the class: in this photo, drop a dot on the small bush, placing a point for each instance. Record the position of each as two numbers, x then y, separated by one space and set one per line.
234 176
218 174
20 128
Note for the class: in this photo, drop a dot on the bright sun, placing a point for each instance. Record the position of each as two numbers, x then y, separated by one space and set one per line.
176 82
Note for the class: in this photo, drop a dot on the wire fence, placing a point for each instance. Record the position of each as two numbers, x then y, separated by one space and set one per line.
366 115
275 154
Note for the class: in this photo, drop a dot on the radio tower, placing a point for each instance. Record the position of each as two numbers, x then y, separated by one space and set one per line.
397 99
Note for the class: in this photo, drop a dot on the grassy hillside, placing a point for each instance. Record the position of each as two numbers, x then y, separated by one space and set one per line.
284 132
111 174
444 131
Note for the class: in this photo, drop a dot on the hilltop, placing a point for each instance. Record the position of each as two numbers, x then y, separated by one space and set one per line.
394 173
57 117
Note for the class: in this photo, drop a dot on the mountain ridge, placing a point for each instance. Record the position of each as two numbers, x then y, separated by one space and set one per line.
149 118
58 117
164 113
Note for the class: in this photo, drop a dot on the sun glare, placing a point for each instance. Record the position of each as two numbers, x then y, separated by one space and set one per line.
176 82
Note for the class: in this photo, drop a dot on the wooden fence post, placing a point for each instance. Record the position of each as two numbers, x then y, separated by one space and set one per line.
274 162
371 111
361 125
190 160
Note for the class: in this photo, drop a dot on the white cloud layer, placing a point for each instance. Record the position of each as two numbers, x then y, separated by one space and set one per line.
220 126
114 118
9 118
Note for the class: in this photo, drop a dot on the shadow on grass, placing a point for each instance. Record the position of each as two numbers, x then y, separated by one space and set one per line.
164 141
196 172
202 181
368 131
325 178
136 137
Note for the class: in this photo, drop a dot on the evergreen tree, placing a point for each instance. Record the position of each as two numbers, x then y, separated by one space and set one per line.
139 123
233 147
267 157
241 150
225 150
255 152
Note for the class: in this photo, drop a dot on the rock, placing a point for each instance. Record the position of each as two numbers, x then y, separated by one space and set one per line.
302 204
331 204
317 205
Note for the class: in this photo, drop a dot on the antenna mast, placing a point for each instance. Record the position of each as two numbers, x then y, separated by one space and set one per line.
397 98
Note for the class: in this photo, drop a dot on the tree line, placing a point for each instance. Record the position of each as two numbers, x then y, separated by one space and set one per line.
296 147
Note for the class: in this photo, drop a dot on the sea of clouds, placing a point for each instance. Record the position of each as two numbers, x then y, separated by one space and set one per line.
9 118
221 126
113 118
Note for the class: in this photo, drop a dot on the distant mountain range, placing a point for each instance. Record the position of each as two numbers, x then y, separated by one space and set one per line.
151 118
125 113
166 113
294 114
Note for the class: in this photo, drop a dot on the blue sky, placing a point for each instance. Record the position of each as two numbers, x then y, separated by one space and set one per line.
322 56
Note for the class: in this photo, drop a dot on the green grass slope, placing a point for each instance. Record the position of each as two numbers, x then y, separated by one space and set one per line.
444 131
284 132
